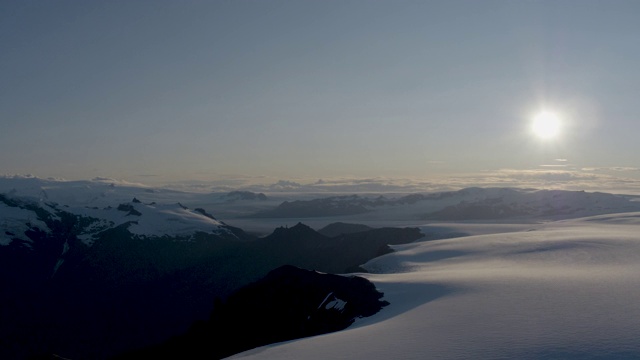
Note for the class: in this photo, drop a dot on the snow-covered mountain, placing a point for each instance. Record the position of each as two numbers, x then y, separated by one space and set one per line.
19 215
562 290
30 203
88 263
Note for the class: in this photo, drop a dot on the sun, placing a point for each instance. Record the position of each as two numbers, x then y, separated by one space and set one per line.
546 125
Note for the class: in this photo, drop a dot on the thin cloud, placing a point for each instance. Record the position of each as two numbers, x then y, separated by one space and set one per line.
613 168
624 169
554 177
547 176
120 182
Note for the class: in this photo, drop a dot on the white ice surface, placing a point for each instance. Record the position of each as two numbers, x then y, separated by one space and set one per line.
568 289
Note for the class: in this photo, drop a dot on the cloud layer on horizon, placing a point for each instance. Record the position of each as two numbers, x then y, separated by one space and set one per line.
560 178
611 179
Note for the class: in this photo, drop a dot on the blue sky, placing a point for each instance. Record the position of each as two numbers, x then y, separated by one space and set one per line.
209 90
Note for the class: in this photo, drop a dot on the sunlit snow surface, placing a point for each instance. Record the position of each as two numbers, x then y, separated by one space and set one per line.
154 220
563 290
159 213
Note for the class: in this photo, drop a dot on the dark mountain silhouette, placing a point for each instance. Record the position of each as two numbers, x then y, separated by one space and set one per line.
340 228
288 303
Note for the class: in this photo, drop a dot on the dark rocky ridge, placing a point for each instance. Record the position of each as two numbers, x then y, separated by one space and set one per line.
340 228
288 303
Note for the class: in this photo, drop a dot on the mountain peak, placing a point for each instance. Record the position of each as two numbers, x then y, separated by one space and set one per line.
299 230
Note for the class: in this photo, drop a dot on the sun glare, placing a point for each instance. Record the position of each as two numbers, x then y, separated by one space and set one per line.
546 125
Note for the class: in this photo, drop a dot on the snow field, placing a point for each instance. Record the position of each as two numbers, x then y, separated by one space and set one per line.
567 290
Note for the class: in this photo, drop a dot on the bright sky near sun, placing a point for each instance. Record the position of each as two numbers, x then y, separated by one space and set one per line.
319 89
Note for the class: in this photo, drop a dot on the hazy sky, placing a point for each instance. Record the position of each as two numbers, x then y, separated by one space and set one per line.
174 90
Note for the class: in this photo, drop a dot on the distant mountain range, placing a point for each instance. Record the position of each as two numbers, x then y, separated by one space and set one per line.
465 204
244 196
336 206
